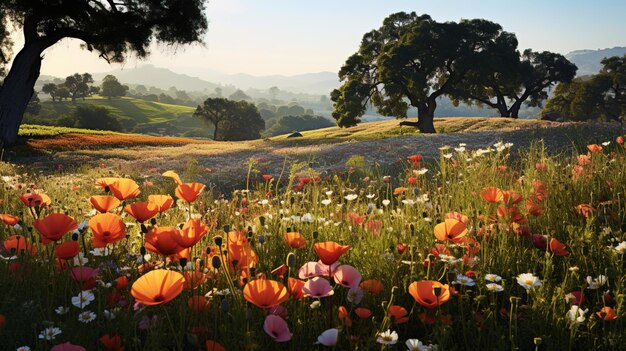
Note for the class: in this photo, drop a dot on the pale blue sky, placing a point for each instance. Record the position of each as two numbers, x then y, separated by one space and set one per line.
288 37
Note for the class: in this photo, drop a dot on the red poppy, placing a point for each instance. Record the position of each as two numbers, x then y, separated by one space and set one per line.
67 250
330 251
429 293
295 240
399 190
163 202
157 287
450 229
363 313
343 315
189 191
265 293
398 314
198 303
112 343
54 226
35 200
192 232
193 279
9 219
161 240
558 248
511 197
18 245
107 228
619 140
124 188
142 211
67 347
372 286
214 346
492 194
594 148
267 177
104 204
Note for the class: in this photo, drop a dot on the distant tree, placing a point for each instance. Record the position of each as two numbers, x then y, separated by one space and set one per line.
50 89
95 117
62 92
409 61
111 87
218 92
166 99
112 28
141 89
78 85
274 91
239 95
266 114
34 105
233 120
600 96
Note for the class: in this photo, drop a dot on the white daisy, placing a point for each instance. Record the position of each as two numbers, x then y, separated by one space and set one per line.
576 314
494 278
83 299
528 281
494 287
49 333
86 316
387 337
61 310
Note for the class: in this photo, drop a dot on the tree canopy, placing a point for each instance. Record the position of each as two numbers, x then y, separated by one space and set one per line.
233 120
113 29
600 96
111 87
411 61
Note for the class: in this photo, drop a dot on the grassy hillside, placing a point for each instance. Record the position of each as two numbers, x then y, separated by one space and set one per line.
151 117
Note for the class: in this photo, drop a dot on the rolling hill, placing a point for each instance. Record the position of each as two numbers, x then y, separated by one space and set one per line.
588 61
150 117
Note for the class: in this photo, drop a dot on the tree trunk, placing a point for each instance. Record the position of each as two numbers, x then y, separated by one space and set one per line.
425 119
215 133
514 110
17 91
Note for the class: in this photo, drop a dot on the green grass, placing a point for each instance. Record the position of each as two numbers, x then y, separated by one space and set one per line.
39 131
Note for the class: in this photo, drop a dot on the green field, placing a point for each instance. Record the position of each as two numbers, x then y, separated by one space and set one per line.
150 116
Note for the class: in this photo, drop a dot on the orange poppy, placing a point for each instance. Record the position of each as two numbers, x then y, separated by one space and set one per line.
35 200
450 229
424 293
214 346
458 216
372 286
54 226
192 232
163 202
17 244
142 211
193 279
124 188
399 190
295 240
295 288
103 203
107 228
342 313
189 191
157 287
106 181
161 240
329 251
607 313
240 252
558 248
594 148
398 314
67 250
492 194
9 219
112 343
265 293
173 175
198 303
533 207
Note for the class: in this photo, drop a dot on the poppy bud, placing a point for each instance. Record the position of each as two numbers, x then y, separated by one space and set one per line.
226 228
252 271
289 230
437 291
261 239
218 240
315 235
224 306
216 262
412 227
75 237
183 262
262 220
250 235
292 200
142 250
291 260
144 229
153 221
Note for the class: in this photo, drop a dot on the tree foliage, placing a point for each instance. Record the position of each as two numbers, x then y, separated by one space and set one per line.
95 117
288 124
113 29
79 85
111 87
601 96
233 120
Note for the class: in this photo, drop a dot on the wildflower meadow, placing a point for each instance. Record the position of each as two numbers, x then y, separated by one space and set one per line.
481 249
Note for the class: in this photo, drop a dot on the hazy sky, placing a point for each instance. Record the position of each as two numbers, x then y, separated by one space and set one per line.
290 37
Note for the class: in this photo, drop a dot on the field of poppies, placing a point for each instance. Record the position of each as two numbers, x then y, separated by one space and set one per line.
482 249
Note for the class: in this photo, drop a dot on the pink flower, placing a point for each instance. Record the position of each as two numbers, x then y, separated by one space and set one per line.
347 276
83 274
277 328
317 287
67 347
279 310
316 269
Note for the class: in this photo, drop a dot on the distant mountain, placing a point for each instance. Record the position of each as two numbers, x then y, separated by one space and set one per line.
308 83
588 61
162 78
